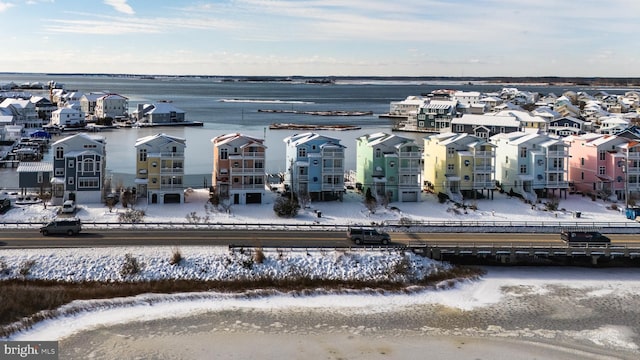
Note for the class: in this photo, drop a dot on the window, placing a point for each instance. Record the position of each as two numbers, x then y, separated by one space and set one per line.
71 163
59 172
378 153
601 155
450 167
451 151
460 128
392 164
259 164
87 165
523 152
142 155
582 161
582 175
523 169
59 152
88 183
302 152
70 180
224 153
602 170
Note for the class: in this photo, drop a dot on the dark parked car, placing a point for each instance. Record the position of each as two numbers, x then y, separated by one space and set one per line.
367 235
62 226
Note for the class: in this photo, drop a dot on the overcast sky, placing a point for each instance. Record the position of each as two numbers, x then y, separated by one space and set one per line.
323 37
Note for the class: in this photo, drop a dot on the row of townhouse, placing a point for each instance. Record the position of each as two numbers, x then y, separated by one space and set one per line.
531 164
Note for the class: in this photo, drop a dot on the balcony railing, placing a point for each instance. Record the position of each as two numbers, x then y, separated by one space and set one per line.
557 154
238 171
484 154
171 187
483 168
333 187
410 154
557 184
173 155
484 184
171 170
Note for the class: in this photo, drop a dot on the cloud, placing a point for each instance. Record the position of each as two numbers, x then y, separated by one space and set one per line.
5 6
120 6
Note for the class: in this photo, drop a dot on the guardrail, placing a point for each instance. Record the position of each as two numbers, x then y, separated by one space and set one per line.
392 226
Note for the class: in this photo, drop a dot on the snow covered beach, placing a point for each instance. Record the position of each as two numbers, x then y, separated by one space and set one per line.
590 312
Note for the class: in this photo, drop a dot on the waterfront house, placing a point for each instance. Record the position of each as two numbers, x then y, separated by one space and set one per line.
491 102
44 108
78 169
531 164
111 105
437 115
158 113
599 164
89 101
390 165
612 125
315 166
485 126
160 168
459 165
23 113
239 168
526 120
35 176
68 117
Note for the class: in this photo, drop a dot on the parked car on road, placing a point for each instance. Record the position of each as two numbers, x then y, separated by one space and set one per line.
62 226
583 236
367 235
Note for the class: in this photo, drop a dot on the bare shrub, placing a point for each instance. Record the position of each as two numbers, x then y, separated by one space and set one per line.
130 266
4 268
26 266
176 257
401 267
258 256
131 216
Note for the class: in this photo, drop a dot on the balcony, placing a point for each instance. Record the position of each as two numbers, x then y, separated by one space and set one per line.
247 155
240 171
333 187
167 155
557 154
484 154
484 185
410 154
557 185
171 170
482 168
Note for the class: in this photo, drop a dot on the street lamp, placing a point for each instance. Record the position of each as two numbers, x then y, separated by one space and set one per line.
626 186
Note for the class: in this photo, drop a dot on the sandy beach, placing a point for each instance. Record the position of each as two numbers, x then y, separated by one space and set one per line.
544 321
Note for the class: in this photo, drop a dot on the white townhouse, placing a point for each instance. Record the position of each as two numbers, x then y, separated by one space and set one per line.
158 113
68 117
111 105
23 113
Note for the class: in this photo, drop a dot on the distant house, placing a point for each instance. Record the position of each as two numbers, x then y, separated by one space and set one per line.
89 101
239 168
111 105
78 168
158 113
35 175
437 115
160 168
485 126
459 165
390 166
23 113
566 126
44 108
68 117
315 166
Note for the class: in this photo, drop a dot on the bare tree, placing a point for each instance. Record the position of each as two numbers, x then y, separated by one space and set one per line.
303 198
45 196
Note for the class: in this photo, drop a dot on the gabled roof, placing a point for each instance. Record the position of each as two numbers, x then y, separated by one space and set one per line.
487 120
228 138
160 138
299 139
84 137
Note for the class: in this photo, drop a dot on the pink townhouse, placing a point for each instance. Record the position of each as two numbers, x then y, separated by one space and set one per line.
599 165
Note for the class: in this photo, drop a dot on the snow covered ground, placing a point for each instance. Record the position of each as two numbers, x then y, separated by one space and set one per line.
350 211
594 307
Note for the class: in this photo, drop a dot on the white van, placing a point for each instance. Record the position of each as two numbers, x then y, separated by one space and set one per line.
69 207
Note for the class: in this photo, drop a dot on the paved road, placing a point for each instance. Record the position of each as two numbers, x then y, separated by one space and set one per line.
266 238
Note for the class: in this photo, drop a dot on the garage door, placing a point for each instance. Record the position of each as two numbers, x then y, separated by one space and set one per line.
254 198
409 196
172 198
